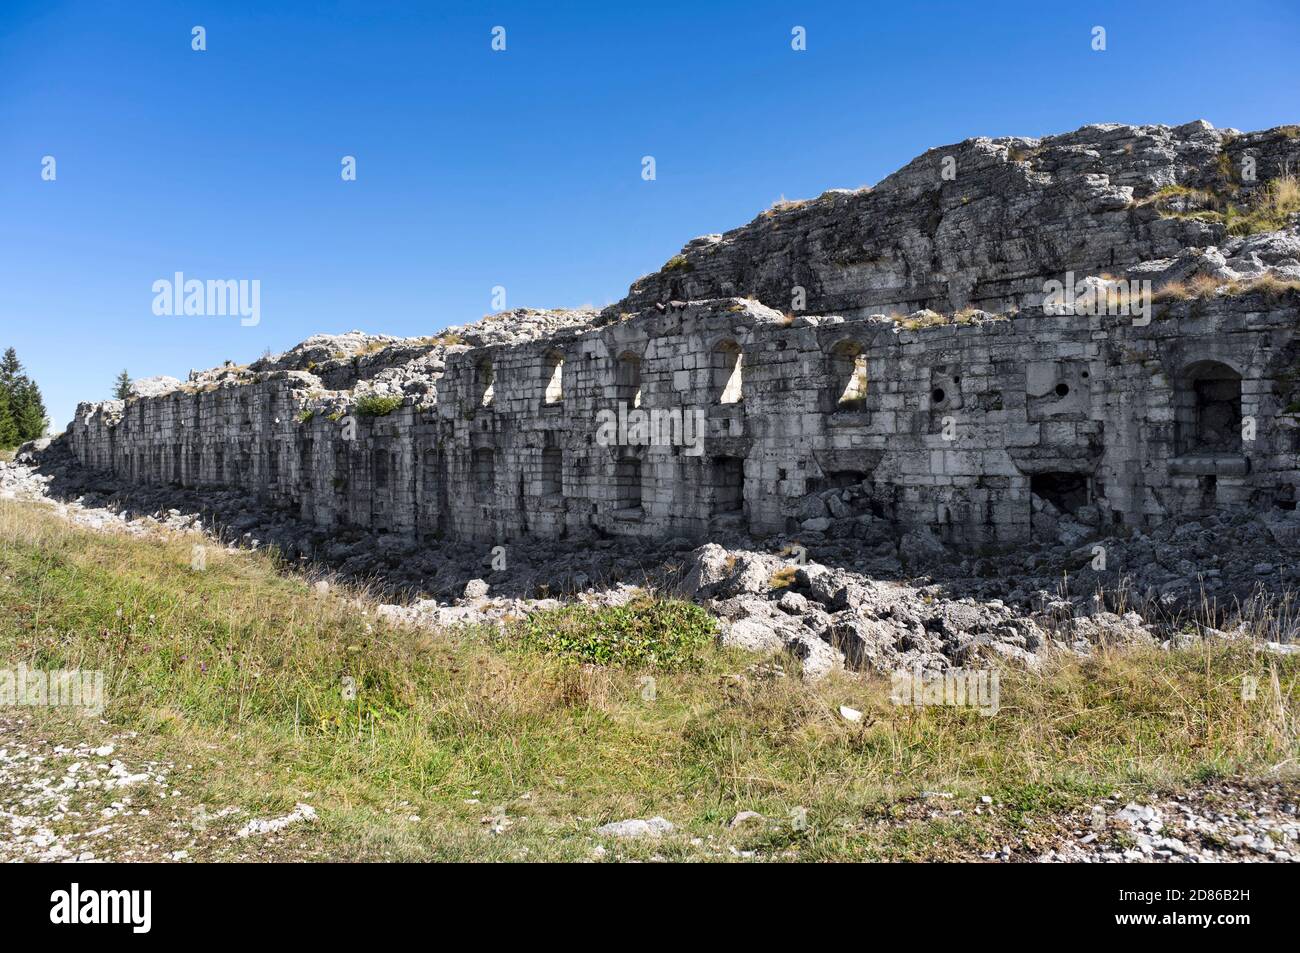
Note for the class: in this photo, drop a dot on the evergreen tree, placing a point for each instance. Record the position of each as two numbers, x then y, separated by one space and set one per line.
10 371
8 430
122 386
22 411
28 411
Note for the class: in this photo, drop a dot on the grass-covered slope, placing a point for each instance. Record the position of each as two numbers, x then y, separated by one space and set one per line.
470 745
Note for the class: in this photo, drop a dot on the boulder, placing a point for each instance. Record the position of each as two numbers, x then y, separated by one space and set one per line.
753 635
708 566
818 659
920 547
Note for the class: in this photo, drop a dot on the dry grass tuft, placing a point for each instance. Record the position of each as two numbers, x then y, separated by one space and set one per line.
1204 286
1271 210
783 577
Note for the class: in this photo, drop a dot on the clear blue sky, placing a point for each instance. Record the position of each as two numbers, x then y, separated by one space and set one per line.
520 168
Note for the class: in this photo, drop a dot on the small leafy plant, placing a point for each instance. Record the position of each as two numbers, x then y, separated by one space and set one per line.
663 634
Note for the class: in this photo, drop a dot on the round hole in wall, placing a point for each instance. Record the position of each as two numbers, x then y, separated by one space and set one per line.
1062 390
937 395
1084 375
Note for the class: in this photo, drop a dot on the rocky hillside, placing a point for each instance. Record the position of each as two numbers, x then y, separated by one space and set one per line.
985 222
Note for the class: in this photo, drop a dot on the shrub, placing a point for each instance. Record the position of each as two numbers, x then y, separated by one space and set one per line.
678 263
665 634
372 405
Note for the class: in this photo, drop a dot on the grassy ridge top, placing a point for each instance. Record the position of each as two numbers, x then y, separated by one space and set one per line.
239 669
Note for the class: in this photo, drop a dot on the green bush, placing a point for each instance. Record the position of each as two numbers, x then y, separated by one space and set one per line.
374 406
665 634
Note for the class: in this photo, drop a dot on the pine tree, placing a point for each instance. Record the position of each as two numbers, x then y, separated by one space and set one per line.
28 411
23 417
8 430
122 386
10 371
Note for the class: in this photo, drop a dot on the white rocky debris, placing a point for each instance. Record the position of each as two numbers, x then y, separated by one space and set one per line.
1221 821
260 826
635 828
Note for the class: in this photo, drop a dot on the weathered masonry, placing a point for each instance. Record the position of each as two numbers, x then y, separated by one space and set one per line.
858 409
957 427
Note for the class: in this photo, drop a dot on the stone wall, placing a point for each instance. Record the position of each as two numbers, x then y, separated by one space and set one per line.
823 416
990 430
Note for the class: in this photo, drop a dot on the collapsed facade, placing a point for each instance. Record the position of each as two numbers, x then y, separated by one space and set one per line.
801 353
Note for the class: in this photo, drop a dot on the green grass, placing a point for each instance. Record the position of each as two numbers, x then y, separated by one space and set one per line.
1210 207
236 671
678 263
372 405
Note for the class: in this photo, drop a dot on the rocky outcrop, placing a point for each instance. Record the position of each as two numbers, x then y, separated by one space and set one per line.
982 223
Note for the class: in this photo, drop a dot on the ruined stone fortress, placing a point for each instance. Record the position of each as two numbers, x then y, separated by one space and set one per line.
892 339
